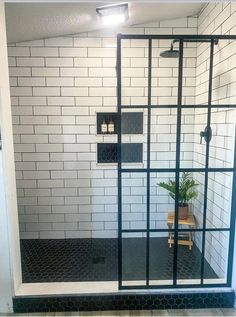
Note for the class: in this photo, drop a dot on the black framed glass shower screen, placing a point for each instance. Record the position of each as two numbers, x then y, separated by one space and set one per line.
145 257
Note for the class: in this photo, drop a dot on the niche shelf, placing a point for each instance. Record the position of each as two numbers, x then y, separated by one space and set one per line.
132 122
131 152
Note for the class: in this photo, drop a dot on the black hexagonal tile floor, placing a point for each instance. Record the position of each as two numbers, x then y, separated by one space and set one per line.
72 260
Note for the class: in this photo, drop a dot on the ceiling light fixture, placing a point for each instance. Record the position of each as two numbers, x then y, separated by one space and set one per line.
113 14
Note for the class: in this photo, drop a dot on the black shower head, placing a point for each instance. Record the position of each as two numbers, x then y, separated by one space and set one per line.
171 53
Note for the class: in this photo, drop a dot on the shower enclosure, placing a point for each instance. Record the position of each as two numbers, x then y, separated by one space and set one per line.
187 102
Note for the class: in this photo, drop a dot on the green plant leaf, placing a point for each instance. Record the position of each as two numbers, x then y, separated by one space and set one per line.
187 187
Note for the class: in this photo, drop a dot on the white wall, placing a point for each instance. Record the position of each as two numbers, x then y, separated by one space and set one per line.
9 242
216 18
57 86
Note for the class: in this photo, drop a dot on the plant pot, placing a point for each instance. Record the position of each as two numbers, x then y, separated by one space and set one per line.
183 212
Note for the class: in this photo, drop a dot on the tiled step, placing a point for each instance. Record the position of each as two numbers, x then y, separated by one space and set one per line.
129 301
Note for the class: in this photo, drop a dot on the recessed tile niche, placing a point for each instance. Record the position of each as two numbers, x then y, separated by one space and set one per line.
131 123
130 152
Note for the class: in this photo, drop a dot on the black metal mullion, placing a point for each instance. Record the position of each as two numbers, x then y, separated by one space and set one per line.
178 37
176 106
177 172
172 230
118 65
148 157
173 170
232 221
207 160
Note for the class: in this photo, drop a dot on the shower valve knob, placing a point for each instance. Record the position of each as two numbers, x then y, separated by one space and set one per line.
206 134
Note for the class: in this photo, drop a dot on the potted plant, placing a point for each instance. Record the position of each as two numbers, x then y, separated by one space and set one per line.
187 192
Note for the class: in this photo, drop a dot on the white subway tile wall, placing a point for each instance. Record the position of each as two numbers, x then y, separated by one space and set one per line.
216 18
57 87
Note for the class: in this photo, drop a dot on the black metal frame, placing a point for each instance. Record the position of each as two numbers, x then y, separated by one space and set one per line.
212 39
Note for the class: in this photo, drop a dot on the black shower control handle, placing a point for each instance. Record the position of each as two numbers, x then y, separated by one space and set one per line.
206 134
201 136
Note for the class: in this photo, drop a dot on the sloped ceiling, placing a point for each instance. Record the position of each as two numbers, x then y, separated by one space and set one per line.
31 21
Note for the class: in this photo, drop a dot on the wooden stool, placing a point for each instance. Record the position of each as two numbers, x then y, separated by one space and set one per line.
190 222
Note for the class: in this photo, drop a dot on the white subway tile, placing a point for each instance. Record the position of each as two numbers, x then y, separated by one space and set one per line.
75 111
18 51
87 62
62 156
63 138
54 111
102 72
87 42
61 101
76 147
31 101
21 91
43 166
36 174
59 61
24 148
19 71
46 91
73 52
22 110
50 183
44 51
102 91
45 71
61 120
74 72
48 129
60 81
59 42
78 91
30 61
49 148
89 82
34 138
33 119
32 157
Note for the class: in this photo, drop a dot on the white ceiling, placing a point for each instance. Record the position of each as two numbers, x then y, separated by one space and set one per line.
31 21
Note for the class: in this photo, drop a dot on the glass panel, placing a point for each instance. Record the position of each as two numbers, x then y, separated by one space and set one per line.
219 196
221 153
134 193
198 201
189 73
163 138
189 256
134 138
164 74
216 255
134 259
223 83
202 73
160 202
134 79
161 260
192 148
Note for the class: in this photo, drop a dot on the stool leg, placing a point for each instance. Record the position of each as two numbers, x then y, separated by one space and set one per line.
170 234
190 240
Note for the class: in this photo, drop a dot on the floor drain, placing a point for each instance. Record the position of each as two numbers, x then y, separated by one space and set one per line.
99 260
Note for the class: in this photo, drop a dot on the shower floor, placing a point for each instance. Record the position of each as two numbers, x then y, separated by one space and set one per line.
74 260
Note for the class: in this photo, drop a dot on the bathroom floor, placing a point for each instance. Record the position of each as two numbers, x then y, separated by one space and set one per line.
73 260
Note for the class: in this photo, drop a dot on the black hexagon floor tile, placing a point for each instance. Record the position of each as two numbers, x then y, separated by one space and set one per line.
72 260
